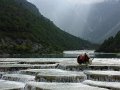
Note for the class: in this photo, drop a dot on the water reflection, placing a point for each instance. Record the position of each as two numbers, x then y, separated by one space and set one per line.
107 55
70 54
91 53
38 56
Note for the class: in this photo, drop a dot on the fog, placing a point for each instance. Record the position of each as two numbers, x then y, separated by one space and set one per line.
65 13
70 15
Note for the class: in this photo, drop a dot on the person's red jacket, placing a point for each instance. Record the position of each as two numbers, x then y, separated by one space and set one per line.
86 58
82 58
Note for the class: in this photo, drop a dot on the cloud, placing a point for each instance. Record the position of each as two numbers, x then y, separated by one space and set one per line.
69 15
85 1
69 1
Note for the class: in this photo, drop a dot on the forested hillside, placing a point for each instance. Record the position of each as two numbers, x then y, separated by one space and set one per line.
24 30
112 45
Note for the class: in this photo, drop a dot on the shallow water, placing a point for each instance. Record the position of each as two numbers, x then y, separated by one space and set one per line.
11 85
110 85
18 77
64 72
59 86
58 75
90 53
71 54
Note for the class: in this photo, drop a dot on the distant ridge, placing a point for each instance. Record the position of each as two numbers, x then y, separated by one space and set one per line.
111 45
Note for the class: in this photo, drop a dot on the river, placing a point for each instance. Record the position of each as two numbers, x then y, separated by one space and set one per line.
71 54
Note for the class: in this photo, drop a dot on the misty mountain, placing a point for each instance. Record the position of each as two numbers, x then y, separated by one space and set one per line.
24 30
111 45
94 22
103 21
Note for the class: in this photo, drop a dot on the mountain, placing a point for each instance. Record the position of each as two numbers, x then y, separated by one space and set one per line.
24 30
103 21
111 45
94 22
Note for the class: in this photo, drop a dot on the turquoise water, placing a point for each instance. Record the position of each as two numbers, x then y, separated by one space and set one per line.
95 55
107 56
38 56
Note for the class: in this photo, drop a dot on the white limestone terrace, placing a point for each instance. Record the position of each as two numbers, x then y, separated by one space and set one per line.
15 65
57 75
110 85
78 52
35 60
1 74
18 77
105 64
52 71
26 65
8 63
11 85
96 63
72 62
110 76
101 61
97 72
106 61
33 71
71 65
59 86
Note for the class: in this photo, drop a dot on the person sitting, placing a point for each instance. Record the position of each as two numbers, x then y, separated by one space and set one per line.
83 59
